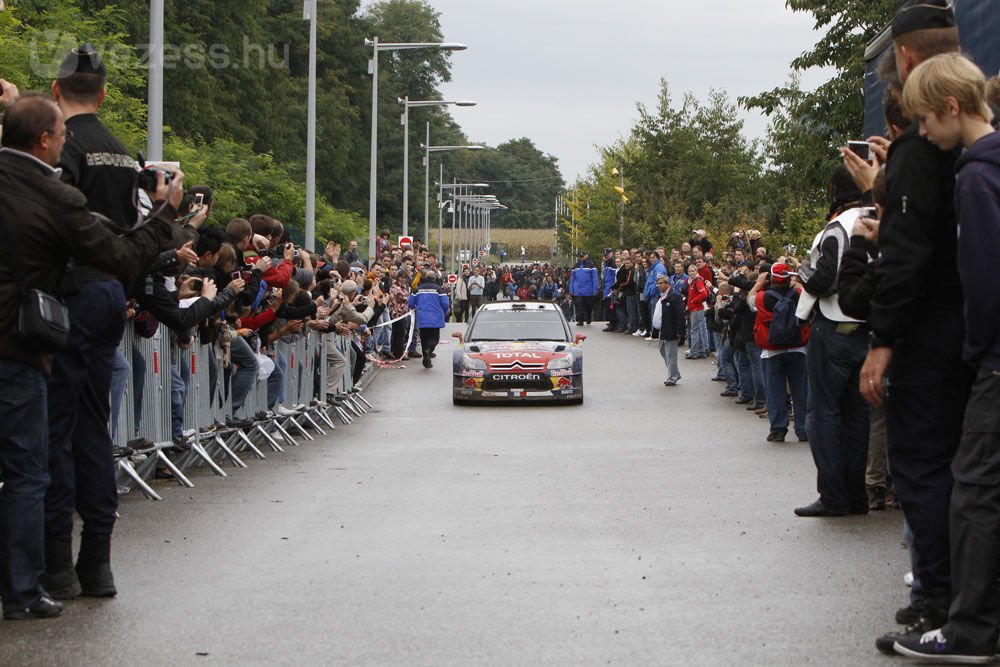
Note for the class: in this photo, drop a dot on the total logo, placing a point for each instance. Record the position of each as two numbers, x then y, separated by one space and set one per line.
518 355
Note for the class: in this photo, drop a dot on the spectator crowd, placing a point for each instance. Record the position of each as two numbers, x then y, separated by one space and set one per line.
880 347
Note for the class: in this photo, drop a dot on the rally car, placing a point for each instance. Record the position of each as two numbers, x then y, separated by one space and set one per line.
518 351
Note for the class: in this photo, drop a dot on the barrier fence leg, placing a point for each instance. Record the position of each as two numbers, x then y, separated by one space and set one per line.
312 423
271 442
178 475
249 443
237 461
203 454
284 434
357 395
126 467
301 430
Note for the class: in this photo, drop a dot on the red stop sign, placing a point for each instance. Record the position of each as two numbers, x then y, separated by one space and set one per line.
452 278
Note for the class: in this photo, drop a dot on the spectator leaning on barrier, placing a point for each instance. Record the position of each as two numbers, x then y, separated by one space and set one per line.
947 95
48 223
917 324
837 421
431 304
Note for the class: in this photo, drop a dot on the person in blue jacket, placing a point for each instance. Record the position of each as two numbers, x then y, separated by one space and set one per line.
431 305
609 275
655 270
583 287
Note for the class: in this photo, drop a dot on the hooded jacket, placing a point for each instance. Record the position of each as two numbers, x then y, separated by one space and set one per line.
977 204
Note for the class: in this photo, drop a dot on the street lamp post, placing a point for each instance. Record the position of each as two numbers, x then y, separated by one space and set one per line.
458 190
428 149
373 70
310 9
407 105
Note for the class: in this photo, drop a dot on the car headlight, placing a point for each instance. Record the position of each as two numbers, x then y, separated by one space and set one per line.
561 362
472 363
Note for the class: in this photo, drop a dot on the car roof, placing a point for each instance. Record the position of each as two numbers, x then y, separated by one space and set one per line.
521 305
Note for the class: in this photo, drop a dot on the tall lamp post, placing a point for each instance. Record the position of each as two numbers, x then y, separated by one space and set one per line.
428 149
407 105
378 48
456 187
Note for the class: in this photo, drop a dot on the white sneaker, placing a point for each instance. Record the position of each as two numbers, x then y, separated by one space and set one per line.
649 338
282 411
908 578
640 332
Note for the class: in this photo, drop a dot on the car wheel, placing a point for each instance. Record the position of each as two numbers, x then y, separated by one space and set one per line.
455 400
575 401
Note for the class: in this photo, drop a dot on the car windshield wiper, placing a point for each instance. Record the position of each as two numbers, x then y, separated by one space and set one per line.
540 340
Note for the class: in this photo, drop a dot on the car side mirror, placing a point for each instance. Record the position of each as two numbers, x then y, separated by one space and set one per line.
579 338
459 336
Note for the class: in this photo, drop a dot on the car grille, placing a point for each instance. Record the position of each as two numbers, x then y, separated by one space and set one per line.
541 384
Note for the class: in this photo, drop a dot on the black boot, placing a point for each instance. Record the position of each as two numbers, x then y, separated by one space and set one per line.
93 567
59 579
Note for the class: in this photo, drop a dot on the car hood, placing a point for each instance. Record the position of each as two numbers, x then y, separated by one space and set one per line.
521 355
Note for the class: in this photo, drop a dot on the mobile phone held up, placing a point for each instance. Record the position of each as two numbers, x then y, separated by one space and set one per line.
199 200
862 149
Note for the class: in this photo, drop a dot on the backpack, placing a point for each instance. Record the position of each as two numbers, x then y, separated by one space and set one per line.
784 330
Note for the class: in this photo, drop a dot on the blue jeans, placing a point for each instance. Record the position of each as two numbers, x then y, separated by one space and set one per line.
246 374
119 380
24 471
788 367
755 387
276 381
837 420
727 366
180 376
699 335
631 312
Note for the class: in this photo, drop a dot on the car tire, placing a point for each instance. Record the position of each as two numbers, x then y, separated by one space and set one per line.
455 400
575 401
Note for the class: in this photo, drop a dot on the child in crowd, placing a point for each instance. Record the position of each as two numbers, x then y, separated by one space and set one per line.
947 95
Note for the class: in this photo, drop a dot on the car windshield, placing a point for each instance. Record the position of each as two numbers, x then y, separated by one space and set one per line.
518 325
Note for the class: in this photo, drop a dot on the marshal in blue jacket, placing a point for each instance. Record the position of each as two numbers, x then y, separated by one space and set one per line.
431 305
584 280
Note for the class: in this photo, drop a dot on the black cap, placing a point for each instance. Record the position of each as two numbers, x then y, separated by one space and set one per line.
922 15
83 59
607 250
582 253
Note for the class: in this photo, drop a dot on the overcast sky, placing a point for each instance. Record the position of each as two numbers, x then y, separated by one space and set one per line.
567 73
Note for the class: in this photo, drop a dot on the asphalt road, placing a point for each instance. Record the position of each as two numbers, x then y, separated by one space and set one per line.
649 526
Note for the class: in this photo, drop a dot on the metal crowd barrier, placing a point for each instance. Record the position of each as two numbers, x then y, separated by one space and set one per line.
213 432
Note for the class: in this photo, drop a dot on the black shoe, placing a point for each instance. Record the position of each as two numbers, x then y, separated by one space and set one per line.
729 394
802 437
122 451
876 503
909 615
752 406
718 378
937 647
886 642
427 361
740 401
61 585
239 423
413 355
93 567
43 607
433 355
141 445
776 436
180 444
817 509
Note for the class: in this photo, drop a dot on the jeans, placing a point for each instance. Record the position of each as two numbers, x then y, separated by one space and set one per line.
24 471
668 350
179 378
787 367
837 419
276 381
756 375
382 335
631 312
119 380
727 366
246 372
699 335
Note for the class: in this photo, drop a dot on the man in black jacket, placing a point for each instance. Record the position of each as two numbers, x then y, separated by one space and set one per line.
668 319
48 223
917 324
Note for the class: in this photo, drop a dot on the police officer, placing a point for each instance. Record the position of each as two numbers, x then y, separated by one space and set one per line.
45 222
80 451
